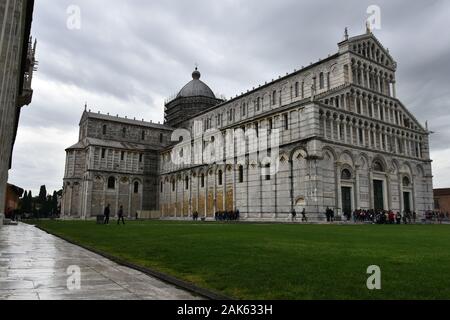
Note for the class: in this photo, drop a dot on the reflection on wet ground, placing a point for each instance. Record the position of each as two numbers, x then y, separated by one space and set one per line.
34 266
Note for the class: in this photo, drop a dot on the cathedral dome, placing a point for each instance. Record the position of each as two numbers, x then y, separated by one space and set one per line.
196 88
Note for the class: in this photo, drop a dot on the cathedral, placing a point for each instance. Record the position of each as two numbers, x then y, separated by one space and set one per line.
344 141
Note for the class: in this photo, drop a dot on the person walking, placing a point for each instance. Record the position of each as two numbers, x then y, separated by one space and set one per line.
294 215
399 217
106 213
304 218
121 216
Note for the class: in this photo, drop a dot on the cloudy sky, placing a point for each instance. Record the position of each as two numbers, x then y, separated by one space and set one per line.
128 56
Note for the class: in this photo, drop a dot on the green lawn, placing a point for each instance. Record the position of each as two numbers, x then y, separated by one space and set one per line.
264 261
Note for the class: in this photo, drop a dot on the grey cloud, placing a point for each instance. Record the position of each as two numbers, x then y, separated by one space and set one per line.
135 52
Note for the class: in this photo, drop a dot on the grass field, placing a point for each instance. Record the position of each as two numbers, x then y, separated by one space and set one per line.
264 261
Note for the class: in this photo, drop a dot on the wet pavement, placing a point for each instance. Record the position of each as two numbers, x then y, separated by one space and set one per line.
37 266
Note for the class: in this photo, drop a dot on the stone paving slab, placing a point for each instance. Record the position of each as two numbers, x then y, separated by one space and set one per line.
33 266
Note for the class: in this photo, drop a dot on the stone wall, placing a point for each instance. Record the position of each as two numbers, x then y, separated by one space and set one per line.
16 18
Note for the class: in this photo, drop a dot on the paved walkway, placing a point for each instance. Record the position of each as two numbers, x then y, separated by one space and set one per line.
34 264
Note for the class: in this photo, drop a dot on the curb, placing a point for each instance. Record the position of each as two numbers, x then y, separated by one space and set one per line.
160 276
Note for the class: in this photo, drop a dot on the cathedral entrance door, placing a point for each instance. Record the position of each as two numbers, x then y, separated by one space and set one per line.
378 195
346 200
406 201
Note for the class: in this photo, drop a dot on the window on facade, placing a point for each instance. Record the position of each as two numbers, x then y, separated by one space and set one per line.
268 176
241 174
124 132
346 174
296 90
321 81
377 166
361 136
257 129
143 135
258 103
136 187
162 187
406 182
220 177
328 81
270 125
141 156
103 153
202 180
111 183
161 137
104 129
286 121
173 185
274 98
186 183
122 155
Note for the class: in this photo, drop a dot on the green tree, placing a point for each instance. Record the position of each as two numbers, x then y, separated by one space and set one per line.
55 203
43 194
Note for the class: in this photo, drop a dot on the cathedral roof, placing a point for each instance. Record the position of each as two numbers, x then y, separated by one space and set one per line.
141 123
112 144
196 88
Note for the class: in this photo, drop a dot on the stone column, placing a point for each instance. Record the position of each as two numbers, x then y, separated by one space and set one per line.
198 192
351 73
339 188
351 132
357 187
224 186
389 191
190 194
364 135
215 190
380 81
206 192
176 197
339 122
413 195
130 194
368 78
371 197
372 106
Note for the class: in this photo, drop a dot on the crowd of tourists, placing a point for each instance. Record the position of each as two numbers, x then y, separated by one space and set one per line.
227 215
437 216
392 217
383 216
